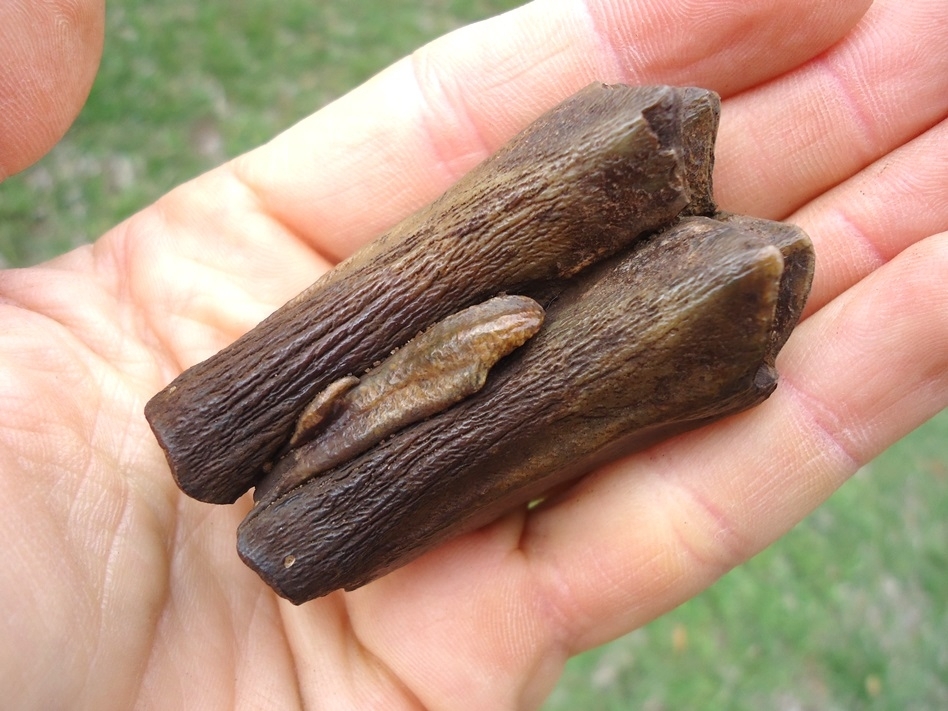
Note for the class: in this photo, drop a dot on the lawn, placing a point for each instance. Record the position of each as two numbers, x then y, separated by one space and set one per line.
849 611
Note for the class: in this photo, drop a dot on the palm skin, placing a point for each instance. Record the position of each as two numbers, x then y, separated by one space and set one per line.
119 591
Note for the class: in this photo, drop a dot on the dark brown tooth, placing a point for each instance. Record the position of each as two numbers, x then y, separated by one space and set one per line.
582 182
673 334
661 316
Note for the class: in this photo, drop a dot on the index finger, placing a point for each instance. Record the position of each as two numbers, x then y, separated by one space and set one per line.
350 171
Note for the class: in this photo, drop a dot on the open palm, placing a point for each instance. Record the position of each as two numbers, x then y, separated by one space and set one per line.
119 590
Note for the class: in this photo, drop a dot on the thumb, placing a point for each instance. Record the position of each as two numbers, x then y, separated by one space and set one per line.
49 54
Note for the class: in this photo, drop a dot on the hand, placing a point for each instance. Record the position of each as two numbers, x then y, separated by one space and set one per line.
117 589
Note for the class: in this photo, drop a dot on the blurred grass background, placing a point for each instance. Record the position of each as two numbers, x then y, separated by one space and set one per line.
849 611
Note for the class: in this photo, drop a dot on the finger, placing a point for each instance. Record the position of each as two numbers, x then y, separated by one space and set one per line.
785 142
866 221
340 177
356 167
648 533
49 53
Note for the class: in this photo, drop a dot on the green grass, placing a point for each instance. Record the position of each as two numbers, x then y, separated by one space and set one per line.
846 612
